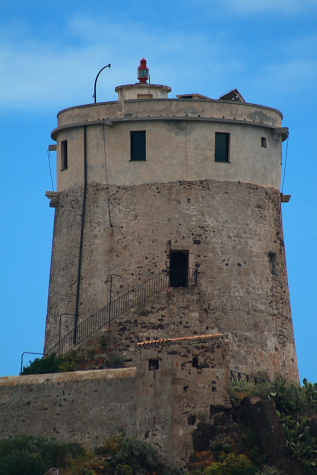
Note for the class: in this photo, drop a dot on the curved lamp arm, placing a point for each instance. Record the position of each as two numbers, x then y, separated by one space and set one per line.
95 94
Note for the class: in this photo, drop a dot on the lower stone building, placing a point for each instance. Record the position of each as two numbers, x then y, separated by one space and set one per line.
161 400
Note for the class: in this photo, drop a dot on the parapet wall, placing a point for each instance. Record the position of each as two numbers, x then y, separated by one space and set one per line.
161 401
83 406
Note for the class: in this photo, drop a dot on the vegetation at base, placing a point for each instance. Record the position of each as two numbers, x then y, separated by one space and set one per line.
47 364
296 405
232 465
97 357
221 446
29 455
240 389
125 456
120 455
269 470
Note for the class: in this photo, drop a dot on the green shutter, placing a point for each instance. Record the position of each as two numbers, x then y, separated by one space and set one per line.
222 147
138 145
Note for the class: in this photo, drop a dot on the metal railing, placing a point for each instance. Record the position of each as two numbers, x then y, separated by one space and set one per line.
247 378
121 305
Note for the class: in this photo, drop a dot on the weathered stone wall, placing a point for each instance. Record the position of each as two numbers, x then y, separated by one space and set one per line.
228 228
178 395
161 404
85 407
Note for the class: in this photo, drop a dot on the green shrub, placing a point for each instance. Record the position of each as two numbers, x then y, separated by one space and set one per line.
300 444
47 364
74 360
140 455
115 361
268 470
221 446
240 389
251 444
288 397
127 456
103 342
310 393
29 455
232 465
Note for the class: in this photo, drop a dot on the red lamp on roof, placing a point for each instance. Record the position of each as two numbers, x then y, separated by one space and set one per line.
143 72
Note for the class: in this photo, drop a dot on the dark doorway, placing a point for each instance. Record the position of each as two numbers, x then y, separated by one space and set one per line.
179 269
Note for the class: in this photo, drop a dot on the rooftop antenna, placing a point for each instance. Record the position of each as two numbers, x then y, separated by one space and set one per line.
95 93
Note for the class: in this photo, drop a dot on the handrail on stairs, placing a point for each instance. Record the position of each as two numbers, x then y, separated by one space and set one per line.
119 306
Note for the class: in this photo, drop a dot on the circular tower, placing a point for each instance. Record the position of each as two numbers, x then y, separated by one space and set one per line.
168 224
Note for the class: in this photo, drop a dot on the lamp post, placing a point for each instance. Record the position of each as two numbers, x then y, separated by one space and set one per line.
95 93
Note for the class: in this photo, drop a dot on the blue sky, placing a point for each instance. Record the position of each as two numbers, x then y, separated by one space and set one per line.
50 55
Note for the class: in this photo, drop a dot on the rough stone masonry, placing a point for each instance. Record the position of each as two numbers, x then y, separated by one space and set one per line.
229 230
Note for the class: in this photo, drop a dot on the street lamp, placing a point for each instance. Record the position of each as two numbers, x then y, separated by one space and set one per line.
95 94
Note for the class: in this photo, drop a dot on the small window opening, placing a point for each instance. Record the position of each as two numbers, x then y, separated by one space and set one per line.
153 365
195 362
138 145
263 142
64 155
179 269
222 147
191 420
273 259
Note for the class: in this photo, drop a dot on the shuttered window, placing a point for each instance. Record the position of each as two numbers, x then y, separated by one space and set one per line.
222 147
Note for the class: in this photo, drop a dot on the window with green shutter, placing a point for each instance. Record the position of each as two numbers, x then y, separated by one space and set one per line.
222 147
138 145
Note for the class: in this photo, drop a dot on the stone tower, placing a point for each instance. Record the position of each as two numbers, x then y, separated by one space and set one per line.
183 189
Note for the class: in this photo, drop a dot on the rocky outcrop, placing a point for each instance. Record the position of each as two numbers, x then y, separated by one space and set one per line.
227 430
265 422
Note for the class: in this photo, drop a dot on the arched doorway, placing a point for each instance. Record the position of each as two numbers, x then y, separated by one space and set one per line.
179 269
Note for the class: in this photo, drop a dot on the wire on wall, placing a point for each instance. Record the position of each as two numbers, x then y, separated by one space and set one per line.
49 166
105 155
80 257
285 163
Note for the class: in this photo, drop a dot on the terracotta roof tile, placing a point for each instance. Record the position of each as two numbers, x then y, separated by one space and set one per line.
195 337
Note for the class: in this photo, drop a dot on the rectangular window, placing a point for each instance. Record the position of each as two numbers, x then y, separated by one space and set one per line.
273 259
138 145
263 142
191 420
154 365
64 156
144 96
222 147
